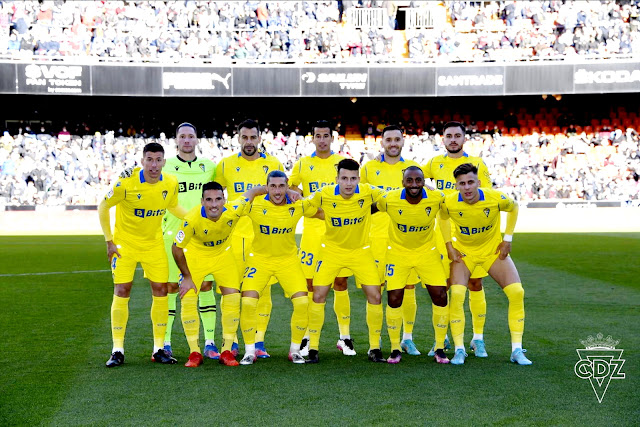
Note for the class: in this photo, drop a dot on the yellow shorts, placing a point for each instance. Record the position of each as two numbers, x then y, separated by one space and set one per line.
380 248
241 247
174 271
424 261
153 261
286 270
309 249
472 261
221 265
476 273
332 260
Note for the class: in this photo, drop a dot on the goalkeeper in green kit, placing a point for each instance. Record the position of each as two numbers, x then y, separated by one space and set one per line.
191 173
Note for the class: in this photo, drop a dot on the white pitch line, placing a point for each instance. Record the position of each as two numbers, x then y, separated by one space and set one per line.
49 273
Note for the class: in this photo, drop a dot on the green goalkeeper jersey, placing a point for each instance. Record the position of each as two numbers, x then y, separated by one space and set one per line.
191 176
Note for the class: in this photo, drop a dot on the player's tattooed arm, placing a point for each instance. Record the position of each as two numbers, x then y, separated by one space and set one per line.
126 173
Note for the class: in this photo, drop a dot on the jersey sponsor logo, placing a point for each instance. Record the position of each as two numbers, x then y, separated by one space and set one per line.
442 185
467 231
292 211
361 202
412 228
215 242
184 186
164 195
400 211
377 172
334 205
315 185
427 211
265 169
142 213
264 211
180 236
239 187
310 167
340 222
265 229
487 211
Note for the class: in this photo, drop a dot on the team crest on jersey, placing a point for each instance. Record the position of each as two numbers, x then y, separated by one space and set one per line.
400 211
201 166
238 169
229 223
177 167
164 194
206 231
361 202
291 211
264 211
377 172
139 196
334 205
428 211
486 212
311 167
266 169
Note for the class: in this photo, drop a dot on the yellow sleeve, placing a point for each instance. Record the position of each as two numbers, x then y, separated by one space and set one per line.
178 211
184 235
382 204
512 218
308 209
295 179
173 202
363 174
427 169
219 176
315 199
116 194
105 220
444 224
483 174
377 193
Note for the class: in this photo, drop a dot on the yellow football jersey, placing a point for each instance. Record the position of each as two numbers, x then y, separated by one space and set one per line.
347 221
140 207
411 226
388 177
477 226
440 169
199 233
314 173
274 226
238 175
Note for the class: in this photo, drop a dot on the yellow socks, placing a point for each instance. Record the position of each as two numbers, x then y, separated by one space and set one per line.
409 310
299 318
207 303
159 316
374 323
394 322
440 319
478 308
515 293
190 320
172 315
264 313
119 317
230 306
316 320
248 320
456 314
342 308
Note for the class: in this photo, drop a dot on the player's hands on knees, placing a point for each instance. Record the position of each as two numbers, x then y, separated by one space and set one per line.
454 254
504 248
112 249
186 284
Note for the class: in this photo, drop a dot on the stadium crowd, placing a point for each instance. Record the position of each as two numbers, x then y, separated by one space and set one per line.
61 169
315 31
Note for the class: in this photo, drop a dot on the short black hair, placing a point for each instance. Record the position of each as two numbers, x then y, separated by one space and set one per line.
454 124
413 168
152 147
390 128
276 174
212 185
348 164
321 124
465 168
186 124
249 124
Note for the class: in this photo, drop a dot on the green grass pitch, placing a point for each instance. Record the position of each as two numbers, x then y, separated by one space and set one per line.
56 338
